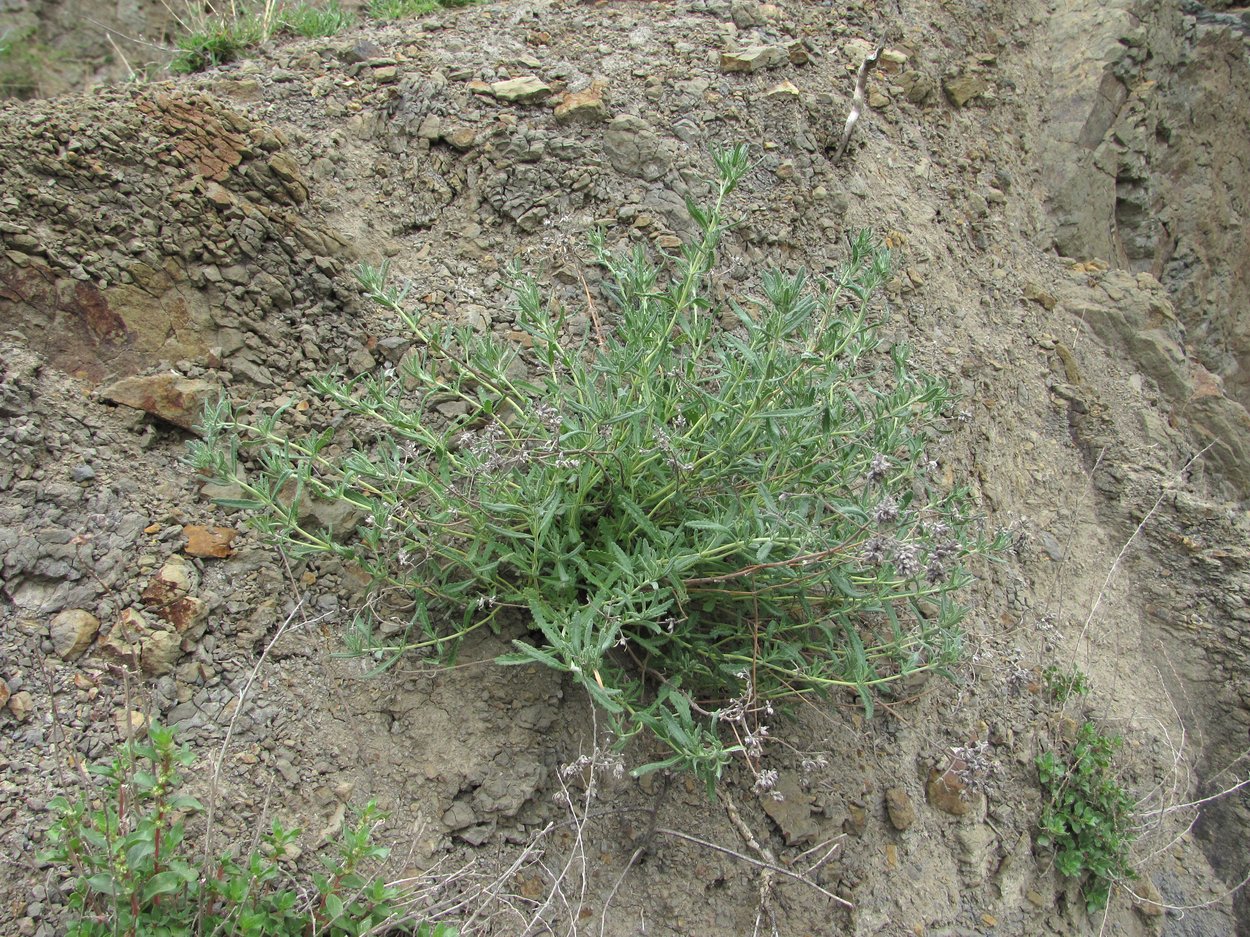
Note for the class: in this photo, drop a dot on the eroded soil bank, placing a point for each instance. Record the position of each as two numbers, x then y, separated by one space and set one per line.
1063 185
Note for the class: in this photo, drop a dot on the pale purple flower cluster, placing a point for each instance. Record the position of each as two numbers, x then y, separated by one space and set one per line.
906 557
907 560
877 468
664 444
765 781
877 550
496 451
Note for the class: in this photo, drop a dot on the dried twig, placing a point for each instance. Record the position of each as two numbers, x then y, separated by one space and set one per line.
836 845
1115 564
857 102
590 305
60 741
767 876
131 74
214 784
763 864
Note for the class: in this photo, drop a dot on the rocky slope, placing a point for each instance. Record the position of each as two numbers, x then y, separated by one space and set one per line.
1064 188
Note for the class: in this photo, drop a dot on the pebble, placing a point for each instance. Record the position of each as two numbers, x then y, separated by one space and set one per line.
159 652
899 808
963 89
582 107
947 793
72 632
21 705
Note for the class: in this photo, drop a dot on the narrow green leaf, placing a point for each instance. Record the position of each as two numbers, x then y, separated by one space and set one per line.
528 654
241 504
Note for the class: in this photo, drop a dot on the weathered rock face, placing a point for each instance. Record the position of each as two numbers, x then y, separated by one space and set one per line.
1203 184
143 230
1146 169
1092 80
1145 161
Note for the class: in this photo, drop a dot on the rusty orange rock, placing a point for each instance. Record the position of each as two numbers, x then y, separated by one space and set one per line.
585 107
212 542
188 615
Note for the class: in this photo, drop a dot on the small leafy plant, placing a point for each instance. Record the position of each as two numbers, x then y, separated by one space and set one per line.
708 509
136 876
1065 682
1087 816
216 43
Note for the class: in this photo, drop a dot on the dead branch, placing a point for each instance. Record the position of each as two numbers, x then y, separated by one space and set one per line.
857 102
772 866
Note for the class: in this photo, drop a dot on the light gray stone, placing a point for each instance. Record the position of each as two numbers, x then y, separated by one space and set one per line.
634 149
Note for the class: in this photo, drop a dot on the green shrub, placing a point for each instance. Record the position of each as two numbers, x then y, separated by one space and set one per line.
1087 816
709 509
136 876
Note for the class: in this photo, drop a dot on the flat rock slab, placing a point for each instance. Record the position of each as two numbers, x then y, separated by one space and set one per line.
754 59
793 812
170 397
520 90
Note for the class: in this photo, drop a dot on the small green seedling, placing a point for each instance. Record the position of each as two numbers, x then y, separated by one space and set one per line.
1087 815
135 874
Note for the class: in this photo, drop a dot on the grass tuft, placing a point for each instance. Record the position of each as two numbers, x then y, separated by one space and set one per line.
312 21
403 9
217 37
217 44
